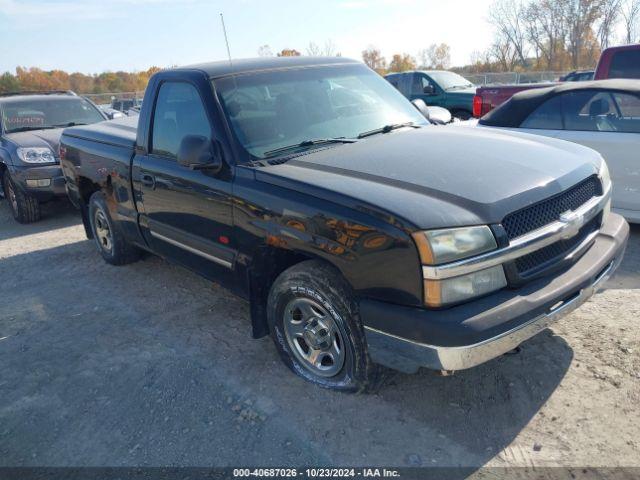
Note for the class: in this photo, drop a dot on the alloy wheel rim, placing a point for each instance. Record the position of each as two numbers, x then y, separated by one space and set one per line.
103 232
314 337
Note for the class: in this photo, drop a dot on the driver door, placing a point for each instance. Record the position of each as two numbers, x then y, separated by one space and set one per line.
418 84
187 214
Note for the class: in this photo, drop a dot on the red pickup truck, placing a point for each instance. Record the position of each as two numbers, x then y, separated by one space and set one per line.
615 62
619 62
489 97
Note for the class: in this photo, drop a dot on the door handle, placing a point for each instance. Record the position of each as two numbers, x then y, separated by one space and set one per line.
148 180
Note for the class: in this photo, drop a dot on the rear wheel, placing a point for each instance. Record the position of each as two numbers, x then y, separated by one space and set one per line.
111 243
24 207
315 326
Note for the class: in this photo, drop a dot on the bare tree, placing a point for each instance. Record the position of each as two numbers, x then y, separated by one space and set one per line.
504 53
580 17
508 18
330 49
631 19
373 58
436 56
265 51
477 61
608 20
546 29
313 50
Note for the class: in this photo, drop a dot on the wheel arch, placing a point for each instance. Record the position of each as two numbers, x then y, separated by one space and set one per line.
86 188
267 263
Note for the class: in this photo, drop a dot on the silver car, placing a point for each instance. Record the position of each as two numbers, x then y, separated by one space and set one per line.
603 115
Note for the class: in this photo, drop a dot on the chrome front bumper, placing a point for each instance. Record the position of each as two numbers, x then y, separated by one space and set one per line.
553 301
460 358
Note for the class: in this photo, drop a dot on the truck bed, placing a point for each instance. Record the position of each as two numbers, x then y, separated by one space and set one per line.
489 97
120 132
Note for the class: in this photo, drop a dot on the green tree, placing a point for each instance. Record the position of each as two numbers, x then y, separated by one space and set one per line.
9 83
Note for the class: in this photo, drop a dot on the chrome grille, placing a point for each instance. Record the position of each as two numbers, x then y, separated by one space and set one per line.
548 211
540 259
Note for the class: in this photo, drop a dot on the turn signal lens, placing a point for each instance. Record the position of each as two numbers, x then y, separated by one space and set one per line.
441 293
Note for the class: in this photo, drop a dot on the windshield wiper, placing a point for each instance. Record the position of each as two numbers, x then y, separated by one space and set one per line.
387 129
308 143
70 124
27 129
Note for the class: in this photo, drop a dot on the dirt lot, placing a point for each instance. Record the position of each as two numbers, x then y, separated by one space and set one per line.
151 365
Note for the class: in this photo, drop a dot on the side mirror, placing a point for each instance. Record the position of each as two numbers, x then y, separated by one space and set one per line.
439 115
422 108
429 90
199 153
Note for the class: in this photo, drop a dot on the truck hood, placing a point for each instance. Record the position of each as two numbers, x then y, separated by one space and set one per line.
437 177
37 138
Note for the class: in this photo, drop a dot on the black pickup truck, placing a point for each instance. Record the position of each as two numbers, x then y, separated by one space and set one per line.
361 235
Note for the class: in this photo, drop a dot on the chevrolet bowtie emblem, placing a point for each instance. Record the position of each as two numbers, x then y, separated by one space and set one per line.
573 223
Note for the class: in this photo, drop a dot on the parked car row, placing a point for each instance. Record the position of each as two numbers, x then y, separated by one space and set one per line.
615 62
360 234
30 127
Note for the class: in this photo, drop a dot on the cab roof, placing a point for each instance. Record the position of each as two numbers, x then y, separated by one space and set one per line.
248 65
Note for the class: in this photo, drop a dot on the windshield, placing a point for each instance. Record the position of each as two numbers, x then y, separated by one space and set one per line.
37 114
450 80
272 110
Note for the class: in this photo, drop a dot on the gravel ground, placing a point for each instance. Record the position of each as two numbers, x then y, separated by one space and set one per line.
149 364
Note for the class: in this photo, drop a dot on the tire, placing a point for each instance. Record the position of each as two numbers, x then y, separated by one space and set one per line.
311 305
24 207
110 241
461 115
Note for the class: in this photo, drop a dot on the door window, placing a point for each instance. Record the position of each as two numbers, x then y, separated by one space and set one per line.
547 116
597 111
588 111
629 112
625 64
179 112
418 84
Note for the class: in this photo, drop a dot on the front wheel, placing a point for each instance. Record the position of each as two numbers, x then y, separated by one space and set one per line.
24 207
315 326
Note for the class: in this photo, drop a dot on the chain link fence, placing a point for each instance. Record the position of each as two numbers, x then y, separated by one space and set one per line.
512 78
118 100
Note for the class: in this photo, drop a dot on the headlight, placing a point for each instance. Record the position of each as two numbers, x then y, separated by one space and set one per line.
36 155
444 246
605 177
440 293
